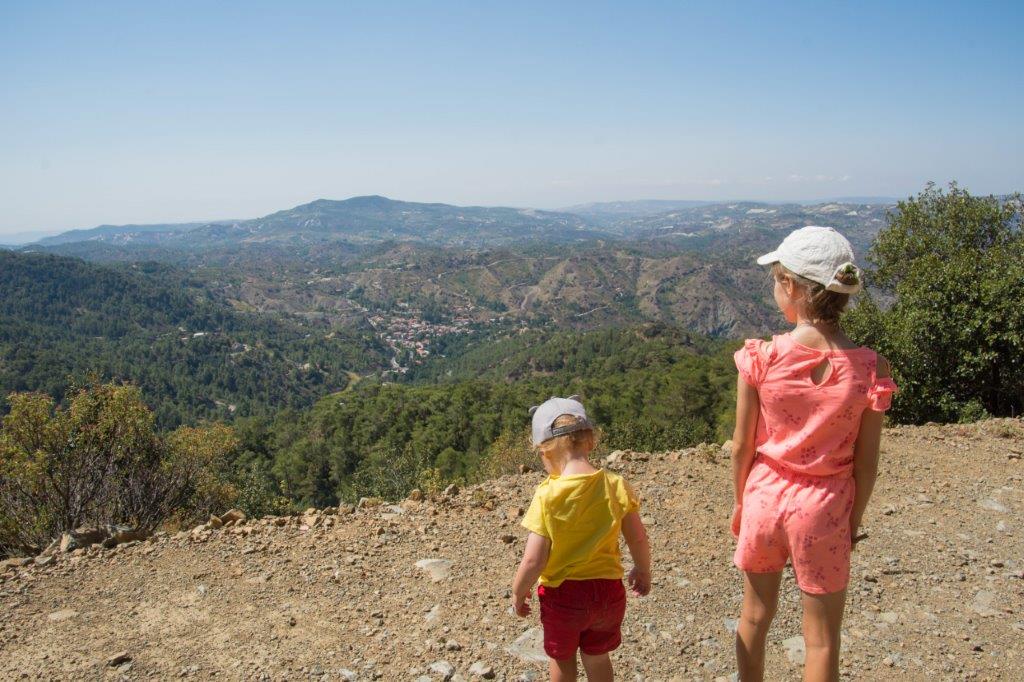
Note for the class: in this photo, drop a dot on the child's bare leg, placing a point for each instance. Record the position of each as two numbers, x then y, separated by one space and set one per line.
760 598
562 671
599 668
823 618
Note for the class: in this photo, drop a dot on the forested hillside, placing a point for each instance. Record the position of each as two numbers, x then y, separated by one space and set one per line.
645 387
192 356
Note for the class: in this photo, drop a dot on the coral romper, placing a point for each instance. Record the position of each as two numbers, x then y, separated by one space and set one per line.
798 496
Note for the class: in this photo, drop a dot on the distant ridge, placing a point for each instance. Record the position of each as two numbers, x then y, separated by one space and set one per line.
112 231
370 220
634 208
868 201
361 219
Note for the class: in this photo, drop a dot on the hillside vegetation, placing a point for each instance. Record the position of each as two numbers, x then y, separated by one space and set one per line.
193 356
646 387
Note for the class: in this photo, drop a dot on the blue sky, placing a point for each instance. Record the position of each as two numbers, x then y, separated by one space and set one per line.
153 112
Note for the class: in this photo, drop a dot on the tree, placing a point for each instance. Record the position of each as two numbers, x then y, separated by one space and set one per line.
952 266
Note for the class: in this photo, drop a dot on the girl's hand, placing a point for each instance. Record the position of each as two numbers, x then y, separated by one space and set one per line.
521 604
737 518
639 582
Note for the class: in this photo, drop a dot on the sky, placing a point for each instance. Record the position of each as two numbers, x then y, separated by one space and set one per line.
114 113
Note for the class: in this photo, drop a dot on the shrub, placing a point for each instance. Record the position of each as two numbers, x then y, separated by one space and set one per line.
99 461
507 454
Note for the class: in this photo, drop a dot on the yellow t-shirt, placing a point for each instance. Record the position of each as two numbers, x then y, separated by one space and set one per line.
582 516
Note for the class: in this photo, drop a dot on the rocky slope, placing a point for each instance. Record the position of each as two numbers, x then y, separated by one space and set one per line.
419 590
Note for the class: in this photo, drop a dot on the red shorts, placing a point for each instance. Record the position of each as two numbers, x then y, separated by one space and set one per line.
582 614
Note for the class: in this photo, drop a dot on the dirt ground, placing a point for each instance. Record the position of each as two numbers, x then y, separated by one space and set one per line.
937 590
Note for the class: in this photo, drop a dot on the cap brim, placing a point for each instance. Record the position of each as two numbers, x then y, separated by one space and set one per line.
768 258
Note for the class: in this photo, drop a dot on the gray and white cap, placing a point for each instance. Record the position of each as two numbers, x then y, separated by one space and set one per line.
545 414
818 253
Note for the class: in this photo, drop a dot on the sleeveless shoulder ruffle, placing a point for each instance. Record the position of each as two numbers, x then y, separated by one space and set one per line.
752 362
880 394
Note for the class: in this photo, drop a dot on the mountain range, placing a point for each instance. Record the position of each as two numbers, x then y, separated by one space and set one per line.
368 220
361 220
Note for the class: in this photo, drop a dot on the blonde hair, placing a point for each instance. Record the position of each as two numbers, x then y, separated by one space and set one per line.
822 305
583 439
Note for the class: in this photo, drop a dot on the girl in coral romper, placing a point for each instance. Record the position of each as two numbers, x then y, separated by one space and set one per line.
805 451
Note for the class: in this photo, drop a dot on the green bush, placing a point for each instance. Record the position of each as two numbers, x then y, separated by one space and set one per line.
951 268
99 461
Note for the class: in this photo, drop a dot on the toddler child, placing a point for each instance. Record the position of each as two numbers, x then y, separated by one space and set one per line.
574 521
809 414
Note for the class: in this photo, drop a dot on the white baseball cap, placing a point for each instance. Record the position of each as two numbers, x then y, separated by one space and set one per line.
545 414
818 253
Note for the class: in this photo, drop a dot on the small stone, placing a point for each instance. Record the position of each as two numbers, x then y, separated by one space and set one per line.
796 650
280 521
67 543
982 604
452 645
997 563
368 502
118 658
991 504
52 548
437 569
529 646
451 491
416 495
443 668
45 560
508 539
214 522
64 614
481 670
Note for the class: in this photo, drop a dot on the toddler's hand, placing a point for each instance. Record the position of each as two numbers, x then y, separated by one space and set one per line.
737 517
639 582
521 604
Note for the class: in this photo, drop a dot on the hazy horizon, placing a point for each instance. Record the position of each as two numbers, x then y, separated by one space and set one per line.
141 114
27 236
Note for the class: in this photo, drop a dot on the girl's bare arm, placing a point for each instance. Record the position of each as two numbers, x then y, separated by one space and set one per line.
743 436
865 456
